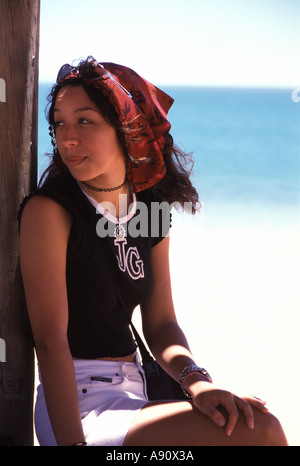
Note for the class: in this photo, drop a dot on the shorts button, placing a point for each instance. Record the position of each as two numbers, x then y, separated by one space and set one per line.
84 390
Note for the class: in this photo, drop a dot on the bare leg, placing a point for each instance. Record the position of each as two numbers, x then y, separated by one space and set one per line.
179 423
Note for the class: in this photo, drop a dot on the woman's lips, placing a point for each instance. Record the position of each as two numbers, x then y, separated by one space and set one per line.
74 161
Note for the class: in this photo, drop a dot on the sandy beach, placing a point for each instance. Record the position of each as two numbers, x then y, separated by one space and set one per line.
235 288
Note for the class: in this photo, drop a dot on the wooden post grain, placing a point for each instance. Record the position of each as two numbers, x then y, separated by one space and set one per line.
19 40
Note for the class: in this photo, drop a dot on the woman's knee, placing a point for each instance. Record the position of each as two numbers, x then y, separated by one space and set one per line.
269 428
267 431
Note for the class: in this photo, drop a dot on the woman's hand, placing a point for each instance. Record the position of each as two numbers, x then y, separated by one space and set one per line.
208 398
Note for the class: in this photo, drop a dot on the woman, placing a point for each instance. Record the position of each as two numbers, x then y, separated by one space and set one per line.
85 267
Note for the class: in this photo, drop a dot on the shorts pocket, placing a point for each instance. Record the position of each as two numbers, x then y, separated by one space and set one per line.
98 382
105 380
95 389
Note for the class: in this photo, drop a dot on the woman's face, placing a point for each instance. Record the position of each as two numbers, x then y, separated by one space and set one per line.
88 145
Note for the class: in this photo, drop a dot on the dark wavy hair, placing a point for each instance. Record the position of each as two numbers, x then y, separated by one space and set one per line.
175 187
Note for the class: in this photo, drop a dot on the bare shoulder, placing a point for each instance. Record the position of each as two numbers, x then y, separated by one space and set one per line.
42 214
41 206
44 232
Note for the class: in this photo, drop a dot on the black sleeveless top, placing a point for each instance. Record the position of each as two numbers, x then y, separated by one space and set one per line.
107 274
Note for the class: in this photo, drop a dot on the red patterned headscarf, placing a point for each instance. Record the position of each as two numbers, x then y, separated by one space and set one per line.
142 110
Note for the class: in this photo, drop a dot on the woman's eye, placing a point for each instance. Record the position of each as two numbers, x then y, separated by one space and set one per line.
57 124
81 121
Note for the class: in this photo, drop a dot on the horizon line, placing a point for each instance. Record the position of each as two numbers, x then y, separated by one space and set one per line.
263 87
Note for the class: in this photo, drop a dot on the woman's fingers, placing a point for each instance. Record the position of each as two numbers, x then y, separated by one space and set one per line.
208 404
247 410
233 414
232 405
257 403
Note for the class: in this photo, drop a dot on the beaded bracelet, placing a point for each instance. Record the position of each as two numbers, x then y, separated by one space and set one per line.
190 370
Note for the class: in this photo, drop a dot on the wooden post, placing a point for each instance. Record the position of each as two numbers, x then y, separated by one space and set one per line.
19 40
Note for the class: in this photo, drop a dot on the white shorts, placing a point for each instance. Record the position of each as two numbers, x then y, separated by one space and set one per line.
110 393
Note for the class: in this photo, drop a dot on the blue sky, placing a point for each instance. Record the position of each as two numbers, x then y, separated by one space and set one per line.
178 42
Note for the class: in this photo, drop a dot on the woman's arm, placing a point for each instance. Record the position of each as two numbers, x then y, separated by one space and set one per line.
169 346
44 233
161 330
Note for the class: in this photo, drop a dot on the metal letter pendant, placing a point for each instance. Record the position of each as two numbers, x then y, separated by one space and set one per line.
120 232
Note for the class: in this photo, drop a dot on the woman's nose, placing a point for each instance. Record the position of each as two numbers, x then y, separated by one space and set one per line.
70 137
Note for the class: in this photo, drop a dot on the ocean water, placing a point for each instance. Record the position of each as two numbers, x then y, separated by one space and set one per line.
235 266
246 143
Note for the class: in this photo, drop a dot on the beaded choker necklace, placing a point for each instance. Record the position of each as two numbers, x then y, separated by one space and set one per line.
104 189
